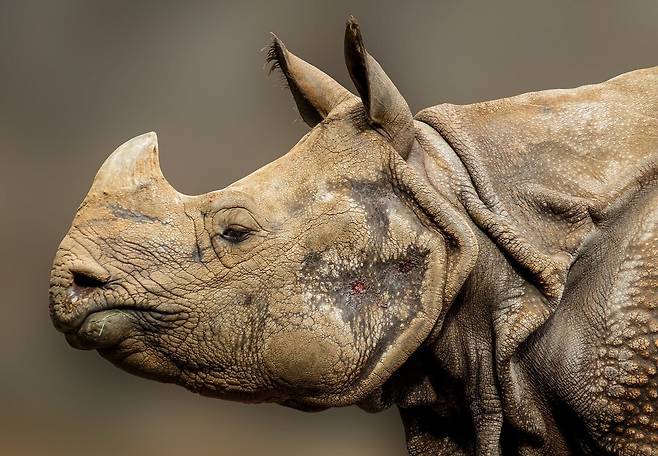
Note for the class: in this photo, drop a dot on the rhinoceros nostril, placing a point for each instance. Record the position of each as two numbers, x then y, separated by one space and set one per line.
86 277
83 280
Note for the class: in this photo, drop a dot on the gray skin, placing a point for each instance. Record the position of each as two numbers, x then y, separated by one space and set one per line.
489 269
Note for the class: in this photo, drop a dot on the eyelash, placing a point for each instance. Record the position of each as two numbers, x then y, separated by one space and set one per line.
235 234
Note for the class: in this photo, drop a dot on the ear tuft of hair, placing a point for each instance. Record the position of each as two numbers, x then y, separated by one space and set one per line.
315 93
275 61
275 58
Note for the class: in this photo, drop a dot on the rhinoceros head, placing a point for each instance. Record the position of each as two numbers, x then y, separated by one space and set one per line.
307 283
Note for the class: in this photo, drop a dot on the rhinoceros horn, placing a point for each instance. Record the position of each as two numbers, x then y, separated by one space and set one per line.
133 165
386 108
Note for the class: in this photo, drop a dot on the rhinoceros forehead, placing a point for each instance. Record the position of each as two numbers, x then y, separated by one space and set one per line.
330 153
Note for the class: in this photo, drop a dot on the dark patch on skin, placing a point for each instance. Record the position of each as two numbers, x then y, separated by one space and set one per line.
406 266
383 308
312 261
197 257
130 214
375 198
377 283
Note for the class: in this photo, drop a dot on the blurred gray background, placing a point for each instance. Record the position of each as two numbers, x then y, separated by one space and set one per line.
77 78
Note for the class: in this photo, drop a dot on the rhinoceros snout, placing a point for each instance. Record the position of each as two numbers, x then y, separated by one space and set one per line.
74 282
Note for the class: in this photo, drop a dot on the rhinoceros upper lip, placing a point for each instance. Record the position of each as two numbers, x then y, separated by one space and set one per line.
71 323
88 335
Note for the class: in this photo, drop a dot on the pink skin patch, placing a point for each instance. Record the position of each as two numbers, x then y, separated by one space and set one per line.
358 287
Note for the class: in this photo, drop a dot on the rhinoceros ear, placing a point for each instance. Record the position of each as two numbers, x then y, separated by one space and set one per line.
387 110
315 93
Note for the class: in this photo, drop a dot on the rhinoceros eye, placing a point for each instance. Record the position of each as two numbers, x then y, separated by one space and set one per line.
235 233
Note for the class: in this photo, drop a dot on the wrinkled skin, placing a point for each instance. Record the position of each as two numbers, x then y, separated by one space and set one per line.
224 317
504 301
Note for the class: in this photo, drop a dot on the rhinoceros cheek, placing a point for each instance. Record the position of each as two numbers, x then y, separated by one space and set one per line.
301 359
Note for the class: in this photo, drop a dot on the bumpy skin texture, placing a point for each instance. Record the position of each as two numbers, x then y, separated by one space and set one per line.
488 269
565 190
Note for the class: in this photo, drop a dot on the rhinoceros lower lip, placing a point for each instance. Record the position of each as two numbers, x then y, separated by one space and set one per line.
104 328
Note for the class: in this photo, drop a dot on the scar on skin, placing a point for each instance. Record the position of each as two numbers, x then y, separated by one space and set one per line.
130 214
359 287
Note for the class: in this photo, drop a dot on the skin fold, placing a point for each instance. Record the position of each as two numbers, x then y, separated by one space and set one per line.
489 269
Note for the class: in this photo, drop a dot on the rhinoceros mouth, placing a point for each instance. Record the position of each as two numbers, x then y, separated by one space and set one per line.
106 328
102 329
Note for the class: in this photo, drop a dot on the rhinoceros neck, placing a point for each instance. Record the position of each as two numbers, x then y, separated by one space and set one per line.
436 161
457 171
538 175
473 349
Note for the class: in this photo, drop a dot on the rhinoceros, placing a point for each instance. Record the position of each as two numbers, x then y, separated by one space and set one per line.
490 269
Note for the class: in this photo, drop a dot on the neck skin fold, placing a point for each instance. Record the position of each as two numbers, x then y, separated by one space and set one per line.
452 381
